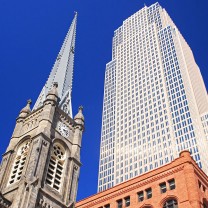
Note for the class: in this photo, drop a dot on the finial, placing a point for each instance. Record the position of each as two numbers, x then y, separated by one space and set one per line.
75 12
26 110
79 115
53 90
185 153
29 102
80 108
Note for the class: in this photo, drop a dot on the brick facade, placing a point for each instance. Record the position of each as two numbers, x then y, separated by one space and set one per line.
179 184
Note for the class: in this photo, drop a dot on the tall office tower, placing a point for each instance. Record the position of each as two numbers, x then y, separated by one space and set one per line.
154 99
40 167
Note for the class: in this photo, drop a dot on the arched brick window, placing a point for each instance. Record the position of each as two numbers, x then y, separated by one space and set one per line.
147 206
171 203
56 166
19 162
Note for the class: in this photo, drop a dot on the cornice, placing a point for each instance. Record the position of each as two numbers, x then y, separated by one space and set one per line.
131 187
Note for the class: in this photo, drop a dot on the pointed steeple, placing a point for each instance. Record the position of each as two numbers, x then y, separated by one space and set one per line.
62 72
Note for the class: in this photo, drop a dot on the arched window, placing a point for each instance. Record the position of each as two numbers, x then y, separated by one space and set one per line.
56 166
19 162
171 203
147 206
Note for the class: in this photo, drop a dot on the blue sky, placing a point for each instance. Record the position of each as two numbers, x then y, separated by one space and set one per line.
31 34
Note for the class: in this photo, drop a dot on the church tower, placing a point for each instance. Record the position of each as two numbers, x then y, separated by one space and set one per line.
40 167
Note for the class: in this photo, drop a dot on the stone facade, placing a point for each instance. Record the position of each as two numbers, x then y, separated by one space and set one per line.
179 184
41 165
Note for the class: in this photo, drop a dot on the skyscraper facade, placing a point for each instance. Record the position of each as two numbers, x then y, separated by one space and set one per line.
154 101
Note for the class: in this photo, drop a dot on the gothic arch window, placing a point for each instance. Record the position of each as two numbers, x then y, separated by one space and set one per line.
171 203
56 166
19 162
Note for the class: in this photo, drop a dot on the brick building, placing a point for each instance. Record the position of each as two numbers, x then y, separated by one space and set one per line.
179 184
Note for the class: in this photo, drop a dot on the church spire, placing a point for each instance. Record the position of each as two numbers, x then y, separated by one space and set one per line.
62 72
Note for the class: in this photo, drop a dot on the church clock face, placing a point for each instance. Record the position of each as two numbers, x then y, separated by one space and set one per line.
63 129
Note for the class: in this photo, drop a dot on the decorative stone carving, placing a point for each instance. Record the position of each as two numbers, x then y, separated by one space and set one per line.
4 203
44 204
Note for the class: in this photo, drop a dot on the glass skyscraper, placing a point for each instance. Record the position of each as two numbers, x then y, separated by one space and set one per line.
155 103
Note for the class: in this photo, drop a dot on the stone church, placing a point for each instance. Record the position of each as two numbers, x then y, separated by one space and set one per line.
40 168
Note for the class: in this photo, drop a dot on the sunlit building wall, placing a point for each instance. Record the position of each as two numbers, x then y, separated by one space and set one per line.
154 99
